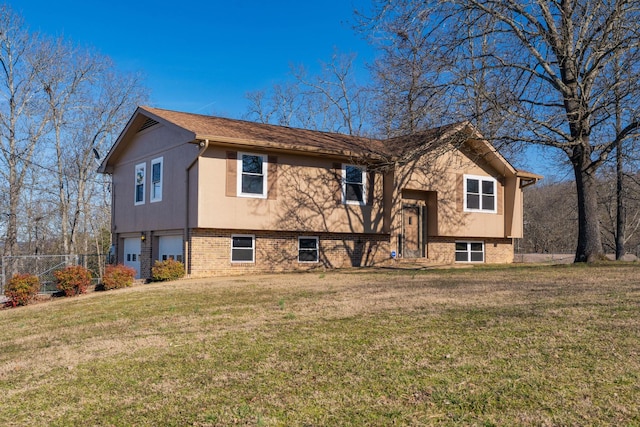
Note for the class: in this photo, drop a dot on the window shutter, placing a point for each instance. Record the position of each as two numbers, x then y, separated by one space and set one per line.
336 172
272 178
499 196
371 186
460 192
232 174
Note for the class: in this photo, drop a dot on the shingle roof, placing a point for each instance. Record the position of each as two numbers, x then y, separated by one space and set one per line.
241 132
209 127
424 140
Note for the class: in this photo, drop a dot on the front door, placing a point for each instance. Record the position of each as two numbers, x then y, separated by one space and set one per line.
411 231
132 254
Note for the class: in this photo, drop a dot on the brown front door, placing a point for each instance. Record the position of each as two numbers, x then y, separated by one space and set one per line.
411 231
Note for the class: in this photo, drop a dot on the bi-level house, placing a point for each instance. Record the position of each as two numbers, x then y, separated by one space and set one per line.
229 196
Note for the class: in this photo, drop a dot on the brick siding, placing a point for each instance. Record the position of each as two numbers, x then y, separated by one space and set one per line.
497 251
278 251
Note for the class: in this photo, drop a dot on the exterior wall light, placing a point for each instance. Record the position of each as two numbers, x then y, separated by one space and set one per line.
143 237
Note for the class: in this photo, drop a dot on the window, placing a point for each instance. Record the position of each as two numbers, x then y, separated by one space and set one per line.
469 251
479 194
242 248
140 177
354 183
156 180
307 249
252 176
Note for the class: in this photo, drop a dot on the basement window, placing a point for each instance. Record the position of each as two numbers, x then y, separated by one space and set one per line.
243 248
469 251
307 249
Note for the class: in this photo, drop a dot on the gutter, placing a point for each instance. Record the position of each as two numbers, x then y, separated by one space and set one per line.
316 151
186 247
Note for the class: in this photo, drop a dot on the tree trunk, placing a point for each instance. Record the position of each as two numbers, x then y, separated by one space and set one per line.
589 239
621 212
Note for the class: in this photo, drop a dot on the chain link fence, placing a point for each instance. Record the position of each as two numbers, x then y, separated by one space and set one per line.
44 266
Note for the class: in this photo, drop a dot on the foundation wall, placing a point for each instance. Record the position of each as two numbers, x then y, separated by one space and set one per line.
496 251
278 251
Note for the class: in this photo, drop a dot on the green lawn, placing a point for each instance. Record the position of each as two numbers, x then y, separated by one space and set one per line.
482 346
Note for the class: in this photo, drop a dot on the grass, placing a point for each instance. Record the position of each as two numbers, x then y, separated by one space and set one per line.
483 346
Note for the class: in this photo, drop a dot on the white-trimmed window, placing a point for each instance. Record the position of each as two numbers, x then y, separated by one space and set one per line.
156 180
354 185
307 249
252 175
480 194
469 251
140 177
243 248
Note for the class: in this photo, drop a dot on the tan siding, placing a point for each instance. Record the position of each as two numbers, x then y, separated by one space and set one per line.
309 197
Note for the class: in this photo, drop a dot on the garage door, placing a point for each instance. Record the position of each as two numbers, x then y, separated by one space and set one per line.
170 247
132 254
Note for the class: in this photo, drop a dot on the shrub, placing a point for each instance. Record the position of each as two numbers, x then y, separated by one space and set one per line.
73 280
22 289
118 276
167 270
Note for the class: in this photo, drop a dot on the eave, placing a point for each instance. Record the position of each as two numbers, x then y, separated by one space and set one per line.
528 178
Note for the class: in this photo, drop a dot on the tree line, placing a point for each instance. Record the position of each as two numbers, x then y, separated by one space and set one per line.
561 74
551 216
62 106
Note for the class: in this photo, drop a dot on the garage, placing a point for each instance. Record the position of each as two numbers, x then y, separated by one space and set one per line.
170 247
132 254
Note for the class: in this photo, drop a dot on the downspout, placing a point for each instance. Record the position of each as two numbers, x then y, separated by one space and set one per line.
186 247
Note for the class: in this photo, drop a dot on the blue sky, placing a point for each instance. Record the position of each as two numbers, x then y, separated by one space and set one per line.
203 56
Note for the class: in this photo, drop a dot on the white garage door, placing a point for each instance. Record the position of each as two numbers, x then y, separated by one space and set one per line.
170 247
132 254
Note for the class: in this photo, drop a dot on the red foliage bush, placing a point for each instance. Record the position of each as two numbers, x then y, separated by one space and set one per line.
22 289
118 276
73 280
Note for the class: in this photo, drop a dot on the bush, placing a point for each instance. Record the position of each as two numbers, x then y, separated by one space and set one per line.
167 270
118 276
22 289
73 280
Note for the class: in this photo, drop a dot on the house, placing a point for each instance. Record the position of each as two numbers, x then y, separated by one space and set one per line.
228 196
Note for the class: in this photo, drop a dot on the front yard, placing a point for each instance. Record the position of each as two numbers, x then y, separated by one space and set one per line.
527 345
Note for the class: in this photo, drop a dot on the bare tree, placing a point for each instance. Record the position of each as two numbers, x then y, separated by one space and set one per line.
612 199
87 99
63 106
547 67
329 101
22 116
